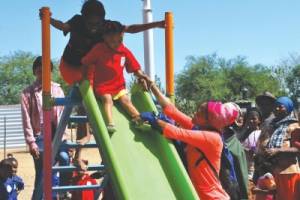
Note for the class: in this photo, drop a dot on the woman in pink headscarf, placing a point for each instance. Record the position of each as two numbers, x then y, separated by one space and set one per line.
204 147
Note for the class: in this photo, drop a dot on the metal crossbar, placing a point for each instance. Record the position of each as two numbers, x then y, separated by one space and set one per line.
75 145
78 119
76 187
73 168
66 101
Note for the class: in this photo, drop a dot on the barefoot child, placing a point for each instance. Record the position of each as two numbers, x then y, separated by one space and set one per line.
110 58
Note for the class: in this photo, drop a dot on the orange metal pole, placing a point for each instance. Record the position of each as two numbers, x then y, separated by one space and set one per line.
46 49
169 49
46 86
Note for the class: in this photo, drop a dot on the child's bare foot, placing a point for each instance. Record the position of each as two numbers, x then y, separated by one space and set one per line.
83 140
111 128
81 164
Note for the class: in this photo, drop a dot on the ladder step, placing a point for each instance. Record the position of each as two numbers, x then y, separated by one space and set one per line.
75 145
76 187
73 168
66 101
78 119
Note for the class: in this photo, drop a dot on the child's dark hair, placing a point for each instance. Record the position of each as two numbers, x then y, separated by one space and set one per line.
93 8
254 111
112 27
12 159
38 63
5 164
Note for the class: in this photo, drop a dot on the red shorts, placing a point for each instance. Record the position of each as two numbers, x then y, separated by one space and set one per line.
72 74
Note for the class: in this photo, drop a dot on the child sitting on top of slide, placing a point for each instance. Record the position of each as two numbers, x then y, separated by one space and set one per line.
110 58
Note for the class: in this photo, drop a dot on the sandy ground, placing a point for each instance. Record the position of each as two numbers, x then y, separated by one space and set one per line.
26 167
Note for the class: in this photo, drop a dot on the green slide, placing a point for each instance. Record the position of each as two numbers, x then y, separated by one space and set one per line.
142 165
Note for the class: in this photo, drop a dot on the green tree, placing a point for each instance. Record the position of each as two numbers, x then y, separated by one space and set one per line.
255 79
202 79
16 74
284 69
288 72
212 77
293 83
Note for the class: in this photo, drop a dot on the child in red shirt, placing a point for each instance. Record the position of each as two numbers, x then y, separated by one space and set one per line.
110 58
83 178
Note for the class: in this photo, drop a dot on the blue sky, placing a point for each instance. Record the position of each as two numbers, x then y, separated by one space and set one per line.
264 31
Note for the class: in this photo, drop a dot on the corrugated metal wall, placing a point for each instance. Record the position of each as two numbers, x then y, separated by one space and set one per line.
13 127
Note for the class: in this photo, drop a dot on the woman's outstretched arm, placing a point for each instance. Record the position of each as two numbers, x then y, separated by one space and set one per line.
170 109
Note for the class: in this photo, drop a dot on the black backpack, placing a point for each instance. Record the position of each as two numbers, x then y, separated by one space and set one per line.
227 175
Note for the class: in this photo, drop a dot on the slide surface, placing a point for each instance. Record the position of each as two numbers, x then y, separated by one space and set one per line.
142 164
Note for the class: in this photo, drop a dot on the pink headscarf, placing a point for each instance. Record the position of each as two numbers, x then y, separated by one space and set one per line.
220 116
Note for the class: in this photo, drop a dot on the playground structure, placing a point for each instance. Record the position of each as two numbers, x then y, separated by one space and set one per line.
140 165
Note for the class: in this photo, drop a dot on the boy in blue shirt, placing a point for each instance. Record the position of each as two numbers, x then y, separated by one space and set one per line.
10 183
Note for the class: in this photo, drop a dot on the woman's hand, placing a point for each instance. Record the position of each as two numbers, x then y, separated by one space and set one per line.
156 121
149 117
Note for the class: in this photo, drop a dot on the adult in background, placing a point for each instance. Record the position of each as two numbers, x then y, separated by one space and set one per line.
204 147
266 104
239 157
32 118
282 155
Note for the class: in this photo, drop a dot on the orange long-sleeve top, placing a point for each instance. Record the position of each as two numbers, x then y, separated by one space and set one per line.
210 143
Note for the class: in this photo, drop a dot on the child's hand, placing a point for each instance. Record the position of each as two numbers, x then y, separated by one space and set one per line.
143 83
41 14
162 24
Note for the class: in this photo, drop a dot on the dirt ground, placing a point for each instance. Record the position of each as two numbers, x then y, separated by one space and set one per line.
26 167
